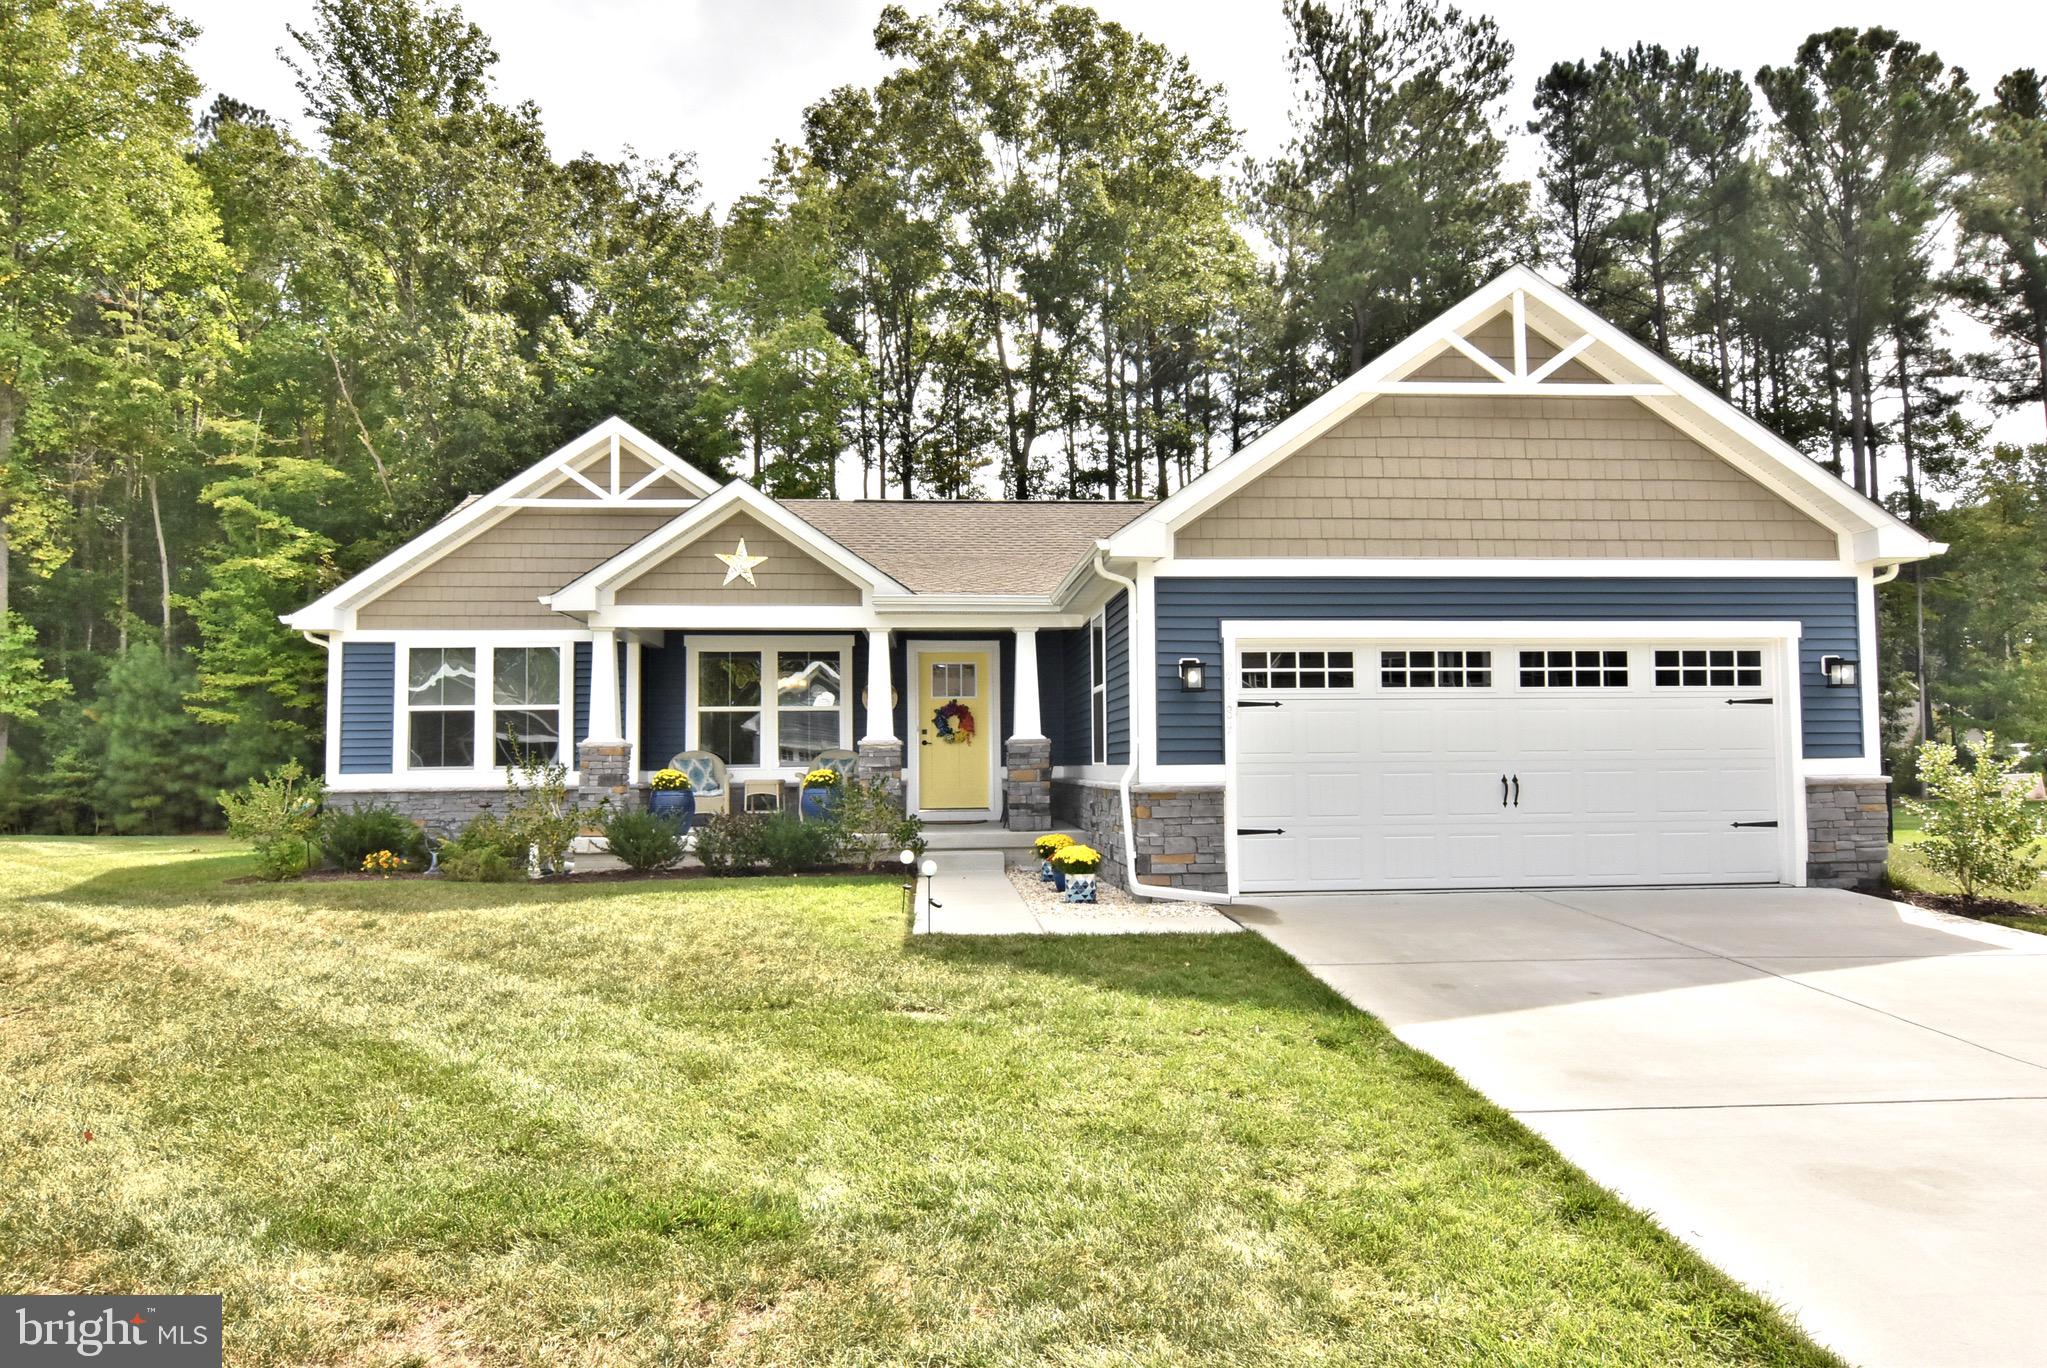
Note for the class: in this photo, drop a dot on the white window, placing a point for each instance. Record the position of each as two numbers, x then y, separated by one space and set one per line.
954 679
1709 667
526 697
1435 669
1098 688
440 707
1299 670
1574 669
736 719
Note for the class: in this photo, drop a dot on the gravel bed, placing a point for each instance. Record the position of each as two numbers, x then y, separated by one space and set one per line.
1041 897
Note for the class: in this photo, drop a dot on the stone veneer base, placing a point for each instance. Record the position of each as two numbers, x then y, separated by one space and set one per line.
1847 832
1179 831
1027 784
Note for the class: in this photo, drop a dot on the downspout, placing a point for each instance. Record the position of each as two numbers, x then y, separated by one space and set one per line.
1887 574
1163 892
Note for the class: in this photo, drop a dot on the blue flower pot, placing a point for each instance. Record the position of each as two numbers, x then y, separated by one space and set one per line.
816 803
1045 874
1058 879
675 805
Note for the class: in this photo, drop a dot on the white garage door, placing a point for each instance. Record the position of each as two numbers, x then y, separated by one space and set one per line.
1396 765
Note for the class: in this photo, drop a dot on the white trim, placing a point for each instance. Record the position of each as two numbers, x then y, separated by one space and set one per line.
738 617
594 589
1190 776
1098 737
1563 358
1089 773
1027 722
333 739
765 646
1782 639
881 690
1667 392
1144 672
1866 672
1512 389
335 608
1391 567
632 703
914 651
485 775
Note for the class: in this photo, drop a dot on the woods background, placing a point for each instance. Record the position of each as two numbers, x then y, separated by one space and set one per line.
1031 262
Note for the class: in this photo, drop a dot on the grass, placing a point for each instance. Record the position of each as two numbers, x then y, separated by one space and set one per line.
750 1123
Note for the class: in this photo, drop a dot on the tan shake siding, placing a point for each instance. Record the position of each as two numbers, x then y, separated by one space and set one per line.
493 579
1551 478
694 574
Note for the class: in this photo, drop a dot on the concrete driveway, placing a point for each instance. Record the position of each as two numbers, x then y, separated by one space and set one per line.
1839 1100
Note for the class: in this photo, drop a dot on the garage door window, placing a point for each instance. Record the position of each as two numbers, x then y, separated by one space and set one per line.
1299 670
1704 667
1435 669
1574 669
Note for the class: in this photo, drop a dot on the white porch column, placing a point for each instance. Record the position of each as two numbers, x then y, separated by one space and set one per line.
605 725
1026 725
881 708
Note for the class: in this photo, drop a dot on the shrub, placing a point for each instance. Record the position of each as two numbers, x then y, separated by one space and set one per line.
645 842
537 807
1980 829
870 826
346 837
277 816
487 850
789 845
730 842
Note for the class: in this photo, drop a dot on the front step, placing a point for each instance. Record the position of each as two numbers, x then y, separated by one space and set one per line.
982 836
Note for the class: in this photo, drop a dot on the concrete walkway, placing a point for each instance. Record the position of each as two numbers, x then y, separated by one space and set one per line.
1840 1100
972 896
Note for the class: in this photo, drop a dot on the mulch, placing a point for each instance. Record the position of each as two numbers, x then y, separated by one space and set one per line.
592 876
1977 909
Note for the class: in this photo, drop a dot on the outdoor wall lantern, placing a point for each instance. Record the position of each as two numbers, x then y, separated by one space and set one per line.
1840 673
1192 678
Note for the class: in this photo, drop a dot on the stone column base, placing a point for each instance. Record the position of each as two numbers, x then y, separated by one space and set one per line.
1847 832
603 767
881 762
1027 788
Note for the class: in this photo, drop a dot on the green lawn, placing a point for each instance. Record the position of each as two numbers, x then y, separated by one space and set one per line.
750 1123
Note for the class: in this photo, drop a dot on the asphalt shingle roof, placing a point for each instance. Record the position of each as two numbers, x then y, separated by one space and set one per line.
937 546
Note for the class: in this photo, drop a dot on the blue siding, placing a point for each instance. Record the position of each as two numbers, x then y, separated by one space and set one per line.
1190 613
368 687
1116 622
664 701
1062 693
582 706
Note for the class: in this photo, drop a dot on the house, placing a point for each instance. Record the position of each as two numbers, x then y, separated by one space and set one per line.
1518 604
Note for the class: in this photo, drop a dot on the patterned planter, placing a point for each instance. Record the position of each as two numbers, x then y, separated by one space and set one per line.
1080 888
675 805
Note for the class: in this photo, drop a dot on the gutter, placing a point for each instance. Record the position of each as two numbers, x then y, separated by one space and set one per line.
1163 892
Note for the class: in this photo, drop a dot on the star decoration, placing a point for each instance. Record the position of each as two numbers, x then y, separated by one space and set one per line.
739 565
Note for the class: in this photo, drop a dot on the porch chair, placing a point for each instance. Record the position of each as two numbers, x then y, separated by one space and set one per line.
706 773
843 762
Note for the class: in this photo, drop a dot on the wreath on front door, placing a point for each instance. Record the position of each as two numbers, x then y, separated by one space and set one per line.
955 722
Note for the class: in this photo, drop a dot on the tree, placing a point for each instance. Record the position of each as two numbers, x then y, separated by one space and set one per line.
157 772
1867 131
1401 163
2003 275
1979 831
1579 178
91 163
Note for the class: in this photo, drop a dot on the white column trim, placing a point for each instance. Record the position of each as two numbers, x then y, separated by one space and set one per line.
605 726
881 708
1027 724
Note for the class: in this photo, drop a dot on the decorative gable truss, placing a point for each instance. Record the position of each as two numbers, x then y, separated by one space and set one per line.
1521 336
614 469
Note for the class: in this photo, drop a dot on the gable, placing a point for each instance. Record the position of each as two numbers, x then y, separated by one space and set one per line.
692 573
1415 476
1495 337
614 472
494 579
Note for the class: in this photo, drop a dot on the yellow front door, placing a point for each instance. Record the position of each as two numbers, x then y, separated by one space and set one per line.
955 727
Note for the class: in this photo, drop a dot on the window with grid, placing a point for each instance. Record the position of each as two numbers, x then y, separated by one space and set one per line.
1709 667
729 705
1298 670
526 698
1435 669
440 707
1574 668
809 699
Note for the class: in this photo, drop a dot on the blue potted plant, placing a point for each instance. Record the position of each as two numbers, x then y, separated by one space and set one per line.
820 791
1046 846
672 798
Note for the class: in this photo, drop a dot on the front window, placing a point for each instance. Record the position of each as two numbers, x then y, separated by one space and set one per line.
748 724
1098 689
526 688
729 705
440 707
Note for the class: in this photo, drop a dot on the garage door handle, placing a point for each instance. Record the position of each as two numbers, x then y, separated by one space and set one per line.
1273 703
1754 824
1517 790
1503 790
1261 831
1750 702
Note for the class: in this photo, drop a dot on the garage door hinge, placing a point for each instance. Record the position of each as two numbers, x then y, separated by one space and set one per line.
1243 703
1261 831
1752 702
1748 824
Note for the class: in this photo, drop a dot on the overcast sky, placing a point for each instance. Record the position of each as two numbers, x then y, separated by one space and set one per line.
725 78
